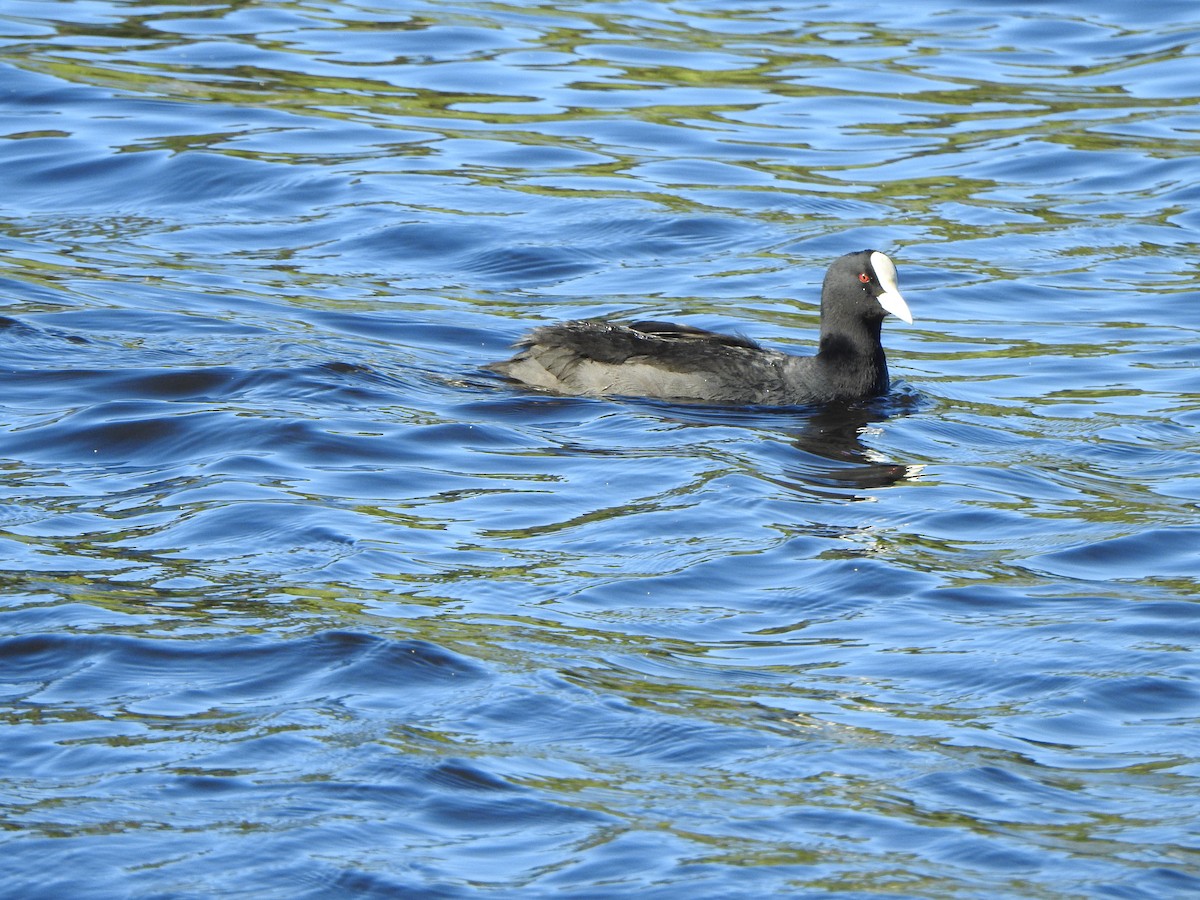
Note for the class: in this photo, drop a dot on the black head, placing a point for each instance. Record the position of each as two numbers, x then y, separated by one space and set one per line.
862 286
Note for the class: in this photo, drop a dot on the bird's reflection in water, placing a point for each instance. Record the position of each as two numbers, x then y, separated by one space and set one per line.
825 454
834 455
831 456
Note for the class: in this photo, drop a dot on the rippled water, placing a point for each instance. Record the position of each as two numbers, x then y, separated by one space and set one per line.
299 602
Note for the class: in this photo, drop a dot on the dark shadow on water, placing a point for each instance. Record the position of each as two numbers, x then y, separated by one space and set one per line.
836 456
831 456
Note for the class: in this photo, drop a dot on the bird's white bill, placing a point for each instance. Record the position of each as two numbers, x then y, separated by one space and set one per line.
890 299
892 302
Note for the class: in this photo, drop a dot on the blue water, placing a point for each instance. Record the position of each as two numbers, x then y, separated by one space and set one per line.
296 601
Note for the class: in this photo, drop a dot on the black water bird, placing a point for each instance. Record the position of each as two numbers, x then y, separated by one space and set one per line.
679 362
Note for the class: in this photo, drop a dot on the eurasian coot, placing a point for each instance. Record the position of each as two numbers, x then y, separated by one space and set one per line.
679 362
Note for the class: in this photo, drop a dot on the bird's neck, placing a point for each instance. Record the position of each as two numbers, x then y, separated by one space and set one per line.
858 338
853 359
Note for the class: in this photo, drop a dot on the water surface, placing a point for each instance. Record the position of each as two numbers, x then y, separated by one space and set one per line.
297 601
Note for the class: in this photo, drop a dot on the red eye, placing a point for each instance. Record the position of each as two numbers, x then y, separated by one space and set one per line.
864 278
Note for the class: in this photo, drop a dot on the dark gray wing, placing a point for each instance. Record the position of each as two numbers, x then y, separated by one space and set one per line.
675 331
